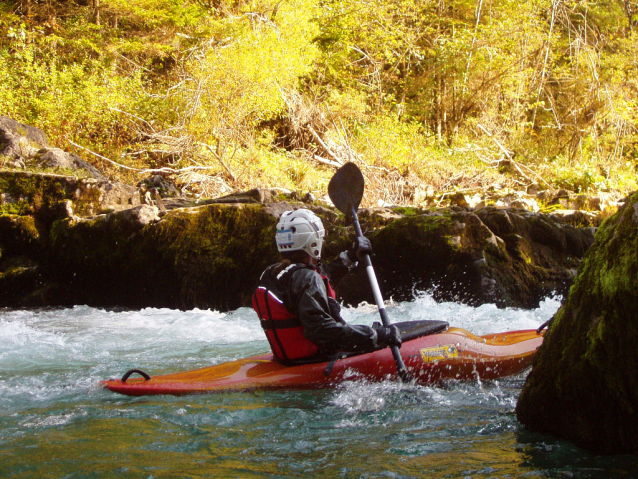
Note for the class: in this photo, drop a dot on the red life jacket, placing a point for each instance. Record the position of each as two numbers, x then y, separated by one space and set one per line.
283 329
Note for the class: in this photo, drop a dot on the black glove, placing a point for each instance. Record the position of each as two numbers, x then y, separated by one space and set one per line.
388 335
359 249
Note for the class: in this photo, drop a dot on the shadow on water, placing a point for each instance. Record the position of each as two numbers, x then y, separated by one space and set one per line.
558 458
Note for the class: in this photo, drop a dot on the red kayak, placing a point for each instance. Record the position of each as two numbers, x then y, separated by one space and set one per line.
451 354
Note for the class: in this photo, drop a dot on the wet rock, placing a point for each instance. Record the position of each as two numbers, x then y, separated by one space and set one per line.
21 246
210 256
584 383
18 282
19 236
206 257
508 257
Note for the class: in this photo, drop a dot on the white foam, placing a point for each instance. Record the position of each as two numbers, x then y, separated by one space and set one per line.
49 355
480 320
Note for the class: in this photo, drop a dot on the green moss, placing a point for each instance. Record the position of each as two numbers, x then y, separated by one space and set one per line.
32 192
18 235
281 197
13 208
586 374
549 208
407 211
60 171
413 251
42 194
205 257
86 203
17 281
217 251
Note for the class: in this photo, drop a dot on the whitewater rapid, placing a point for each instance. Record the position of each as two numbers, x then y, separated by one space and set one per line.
47 355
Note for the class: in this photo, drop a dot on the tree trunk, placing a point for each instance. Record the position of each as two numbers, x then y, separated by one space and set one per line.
631 9
96 10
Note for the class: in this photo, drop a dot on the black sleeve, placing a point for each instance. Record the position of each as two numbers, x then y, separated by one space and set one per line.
311 304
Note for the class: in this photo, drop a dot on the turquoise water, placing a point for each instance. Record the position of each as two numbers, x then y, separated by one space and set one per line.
56 422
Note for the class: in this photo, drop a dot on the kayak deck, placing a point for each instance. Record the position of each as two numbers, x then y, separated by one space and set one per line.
452 354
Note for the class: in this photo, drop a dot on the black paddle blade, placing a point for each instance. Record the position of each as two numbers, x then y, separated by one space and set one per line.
346 188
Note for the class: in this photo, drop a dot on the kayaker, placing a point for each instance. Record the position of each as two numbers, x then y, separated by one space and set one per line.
296 303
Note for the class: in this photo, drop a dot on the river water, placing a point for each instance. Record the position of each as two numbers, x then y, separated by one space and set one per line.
55 421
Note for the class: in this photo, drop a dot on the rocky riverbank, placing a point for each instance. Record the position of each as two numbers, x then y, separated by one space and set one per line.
69 236
77 238
210 256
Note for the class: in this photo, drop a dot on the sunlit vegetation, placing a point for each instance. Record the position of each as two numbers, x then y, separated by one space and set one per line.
425 95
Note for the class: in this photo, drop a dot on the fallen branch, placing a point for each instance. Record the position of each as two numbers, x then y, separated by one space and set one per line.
511 159
219 158
327 162
155 152
133 116
325 147
142 170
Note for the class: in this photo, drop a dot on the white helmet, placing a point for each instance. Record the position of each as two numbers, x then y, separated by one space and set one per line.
300 230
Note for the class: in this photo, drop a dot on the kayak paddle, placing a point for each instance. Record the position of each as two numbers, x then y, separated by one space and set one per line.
346 190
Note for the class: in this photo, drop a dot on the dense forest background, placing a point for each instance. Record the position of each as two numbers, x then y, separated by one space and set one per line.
427 95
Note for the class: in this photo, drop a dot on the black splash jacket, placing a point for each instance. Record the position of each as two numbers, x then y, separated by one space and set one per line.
309 306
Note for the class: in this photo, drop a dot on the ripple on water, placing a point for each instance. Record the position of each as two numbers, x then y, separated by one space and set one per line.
55 422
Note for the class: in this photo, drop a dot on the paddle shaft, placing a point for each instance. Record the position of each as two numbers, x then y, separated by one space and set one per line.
401 369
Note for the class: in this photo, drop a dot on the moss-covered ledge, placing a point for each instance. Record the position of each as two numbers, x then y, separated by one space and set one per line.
584 383
206 257
46 195
20 249
494 256
211 256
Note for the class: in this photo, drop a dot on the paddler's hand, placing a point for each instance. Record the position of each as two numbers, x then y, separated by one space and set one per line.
388 336
359 249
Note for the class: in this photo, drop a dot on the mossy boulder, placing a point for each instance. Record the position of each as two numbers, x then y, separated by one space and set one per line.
216 252
208 256
584 383
19 235
507 257
20 248
17 281
205 257
211 256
